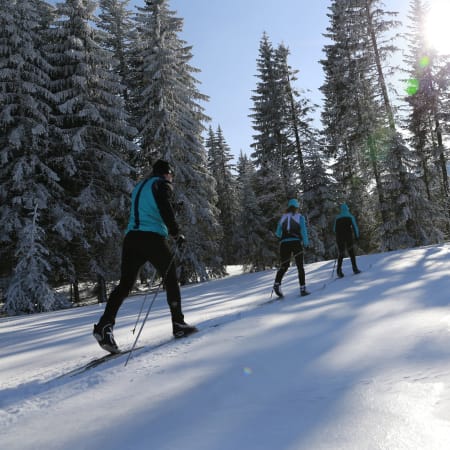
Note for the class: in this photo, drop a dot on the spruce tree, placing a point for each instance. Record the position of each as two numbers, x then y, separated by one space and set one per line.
170 121
272 152
426 92
27 175
256 247
115 19
358 103
92 140
219 156
29 290
352 116
318 203
409 212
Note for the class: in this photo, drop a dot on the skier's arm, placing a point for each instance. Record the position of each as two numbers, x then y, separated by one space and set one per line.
279 230
163 193
355 228
304 231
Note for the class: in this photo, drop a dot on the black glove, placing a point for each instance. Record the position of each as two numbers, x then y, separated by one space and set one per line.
180 240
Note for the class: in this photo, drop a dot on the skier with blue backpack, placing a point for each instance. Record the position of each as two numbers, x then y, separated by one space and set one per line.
345 227
293 236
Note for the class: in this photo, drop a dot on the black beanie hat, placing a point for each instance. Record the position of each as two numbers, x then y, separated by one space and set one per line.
162 167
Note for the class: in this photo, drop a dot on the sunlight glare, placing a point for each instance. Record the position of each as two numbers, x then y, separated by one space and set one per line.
437 26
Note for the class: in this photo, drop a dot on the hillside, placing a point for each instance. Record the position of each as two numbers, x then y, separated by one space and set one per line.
362 363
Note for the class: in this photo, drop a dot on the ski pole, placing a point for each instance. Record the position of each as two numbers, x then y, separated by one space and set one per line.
334 265
143 302
150 307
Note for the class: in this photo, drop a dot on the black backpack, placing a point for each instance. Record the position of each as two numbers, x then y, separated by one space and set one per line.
290 228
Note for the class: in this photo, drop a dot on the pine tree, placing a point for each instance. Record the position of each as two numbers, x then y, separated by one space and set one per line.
93 139
409 212
272 152
115 19
361 124
352 116
27 177
170 122
297 111
318 206
29 290
425 95
219 156
256 246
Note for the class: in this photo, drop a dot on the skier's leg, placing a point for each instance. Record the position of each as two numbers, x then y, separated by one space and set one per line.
285 258
301 269
351 253
298 252
132 260
162 259
341 252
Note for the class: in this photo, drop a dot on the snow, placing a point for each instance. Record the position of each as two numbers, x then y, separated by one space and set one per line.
362 363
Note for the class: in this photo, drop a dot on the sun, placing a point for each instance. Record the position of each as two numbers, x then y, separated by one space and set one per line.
437 26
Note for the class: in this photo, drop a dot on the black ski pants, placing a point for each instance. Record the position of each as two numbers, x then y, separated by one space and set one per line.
287 249
342 245
138 248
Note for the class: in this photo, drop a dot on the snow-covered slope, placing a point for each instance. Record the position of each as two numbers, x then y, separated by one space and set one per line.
362 363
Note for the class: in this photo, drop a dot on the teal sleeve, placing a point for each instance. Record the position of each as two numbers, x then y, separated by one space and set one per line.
279 230
355 228
304 231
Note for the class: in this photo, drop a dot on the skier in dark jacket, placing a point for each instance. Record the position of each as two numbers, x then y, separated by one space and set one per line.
345 228
152 220
292 232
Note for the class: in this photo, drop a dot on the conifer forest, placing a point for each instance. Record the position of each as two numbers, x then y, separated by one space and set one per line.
93 92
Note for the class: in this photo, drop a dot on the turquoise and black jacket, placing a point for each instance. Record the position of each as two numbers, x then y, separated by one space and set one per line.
345 225
151 207
292 227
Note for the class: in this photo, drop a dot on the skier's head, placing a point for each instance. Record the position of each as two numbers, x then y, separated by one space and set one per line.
344 209
162 168
292 205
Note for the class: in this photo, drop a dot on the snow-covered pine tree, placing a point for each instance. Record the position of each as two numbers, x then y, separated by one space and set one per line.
27 176
170 121
352 116
92 140
219 156
298 120
359 29
29 290
282 124
272 151
256 246
409 212
425 94
318 205
115 19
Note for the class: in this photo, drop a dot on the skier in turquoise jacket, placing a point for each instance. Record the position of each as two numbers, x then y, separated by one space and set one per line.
293 235
152 221
345 227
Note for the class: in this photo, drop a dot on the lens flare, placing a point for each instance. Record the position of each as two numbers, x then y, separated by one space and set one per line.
424 62
412 86
247 371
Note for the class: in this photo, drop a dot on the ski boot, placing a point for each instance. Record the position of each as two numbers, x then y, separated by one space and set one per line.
105 338
182 329
277 290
